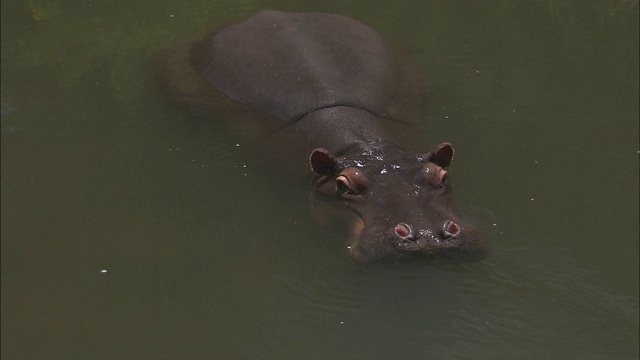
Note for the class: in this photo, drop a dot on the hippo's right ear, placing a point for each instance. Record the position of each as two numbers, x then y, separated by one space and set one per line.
322 162
442 155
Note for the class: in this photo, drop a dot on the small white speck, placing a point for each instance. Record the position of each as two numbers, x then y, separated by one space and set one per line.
477 71
531 199
171 15
495 224
237 145
446 116
104 271
341 322
535 161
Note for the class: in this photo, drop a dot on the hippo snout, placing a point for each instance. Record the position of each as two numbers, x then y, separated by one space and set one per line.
406 232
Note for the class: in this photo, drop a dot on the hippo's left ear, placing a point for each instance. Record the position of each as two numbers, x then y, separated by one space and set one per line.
442 155
322 162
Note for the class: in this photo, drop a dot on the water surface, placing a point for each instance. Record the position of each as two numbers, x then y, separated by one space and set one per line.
134 230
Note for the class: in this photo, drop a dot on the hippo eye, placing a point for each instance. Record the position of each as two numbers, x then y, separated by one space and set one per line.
435 176
342 185
350 182
444 178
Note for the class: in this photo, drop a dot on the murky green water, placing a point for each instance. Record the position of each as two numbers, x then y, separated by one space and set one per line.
133 230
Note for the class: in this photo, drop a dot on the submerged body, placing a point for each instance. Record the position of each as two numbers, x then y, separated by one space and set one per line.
331 80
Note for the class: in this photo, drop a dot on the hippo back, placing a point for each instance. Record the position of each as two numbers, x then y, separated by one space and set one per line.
289 65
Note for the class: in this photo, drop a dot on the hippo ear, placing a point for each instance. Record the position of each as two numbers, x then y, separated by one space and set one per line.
442 155
322 162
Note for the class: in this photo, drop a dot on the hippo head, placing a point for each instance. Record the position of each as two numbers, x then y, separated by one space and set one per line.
400 204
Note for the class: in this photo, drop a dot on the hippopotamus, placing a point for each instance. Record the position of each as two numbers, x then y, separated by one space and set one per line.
335 85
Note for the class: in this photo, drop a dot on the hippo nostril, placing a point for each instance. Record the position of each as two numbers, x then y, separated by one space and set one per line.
403 231
451 228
